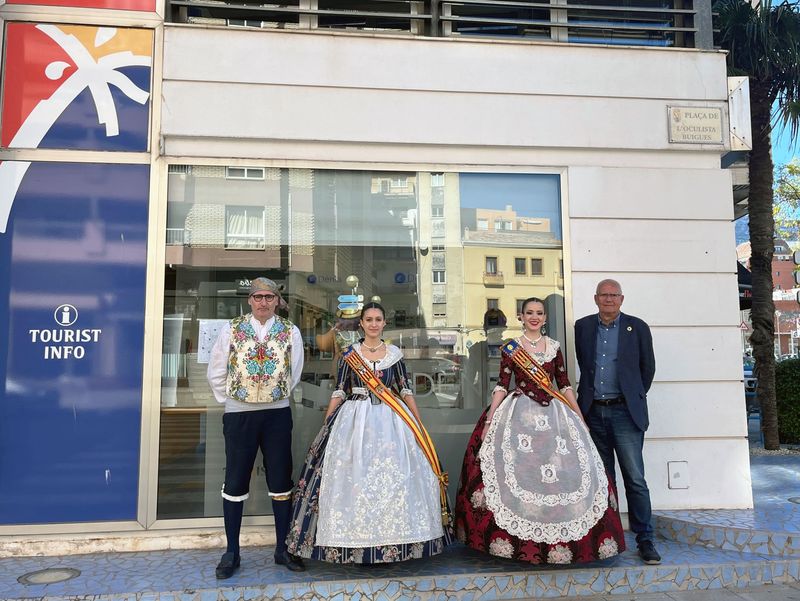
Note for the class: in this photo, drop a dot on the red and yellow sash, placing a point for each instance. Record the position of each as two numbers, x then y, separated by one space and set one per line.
515 351
368 377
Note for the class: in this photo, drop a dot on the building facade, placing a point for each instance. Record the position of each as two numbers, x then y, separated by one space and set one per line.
785 293
445 158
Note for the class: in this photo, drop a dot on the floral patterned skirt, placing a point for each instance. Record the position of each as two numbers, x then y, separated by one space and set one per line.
302 536
476 527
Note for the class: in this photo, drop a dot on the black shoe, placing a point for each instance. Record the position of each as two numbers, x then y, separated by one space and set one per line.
648 553
228 565
292 562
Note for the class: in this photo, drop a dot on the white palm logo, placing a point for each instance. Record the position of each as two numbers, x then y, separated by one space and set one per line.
98 76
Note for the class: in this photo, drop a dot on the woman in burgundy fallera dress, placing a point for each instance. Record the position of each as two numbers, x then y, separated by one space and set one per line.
533 487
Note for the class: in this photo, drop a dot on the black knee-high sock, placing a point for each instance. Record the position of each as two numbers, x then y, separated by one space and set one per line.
232 512
283 513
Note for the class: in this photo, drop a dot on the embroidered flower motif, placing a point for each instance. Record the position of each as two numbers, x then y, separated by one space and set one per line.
542 422
548 473
559 554
506 370
525 443
561 446
416 550
478 499
612 501
357 555
523 384
390 553
332 554
501 548
608 548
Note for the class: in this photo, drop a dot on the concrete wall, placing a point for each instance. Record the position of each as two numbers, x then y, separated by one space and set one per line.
655 215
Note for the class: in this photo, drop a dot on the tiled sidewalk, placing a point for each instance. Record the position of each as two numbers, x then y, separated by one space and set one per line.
736 550
459 573
772 527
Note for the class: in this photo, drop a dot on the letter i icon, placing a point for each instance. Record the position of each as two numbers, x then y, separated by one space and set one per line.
65 316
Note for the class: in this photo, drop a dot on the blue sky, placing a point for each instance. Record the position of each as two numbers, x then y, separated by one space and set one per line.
782 149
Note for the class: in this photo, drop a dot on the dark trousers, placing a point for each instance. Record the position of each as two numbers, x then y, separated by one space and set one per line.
269 430
613 430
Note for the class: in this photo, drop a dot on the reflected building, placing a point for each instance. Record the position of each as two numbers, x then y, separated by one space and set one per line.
409 238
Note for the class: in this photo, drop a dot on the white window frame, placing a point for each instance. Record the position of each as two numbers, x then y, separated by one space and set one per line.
261 236
249 173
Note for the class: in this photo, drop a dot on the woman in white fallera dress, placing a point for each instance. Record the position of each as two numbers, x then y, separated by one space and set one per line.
367 492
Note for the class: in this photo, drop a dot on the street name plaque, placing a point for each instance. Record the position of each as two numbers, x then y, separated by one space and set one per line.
695 125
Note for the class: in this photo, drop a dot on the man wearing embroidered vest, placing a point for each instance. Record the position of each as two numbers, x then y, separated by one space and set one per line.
617 363
255 363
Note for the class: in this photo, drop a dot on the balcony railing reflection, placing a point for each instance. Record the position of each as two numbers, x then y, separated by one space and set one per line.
493 279
175 236
633 22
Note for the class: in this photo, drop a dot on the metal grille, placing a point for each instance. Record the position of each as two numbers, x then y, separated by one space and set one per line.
630 22
643 22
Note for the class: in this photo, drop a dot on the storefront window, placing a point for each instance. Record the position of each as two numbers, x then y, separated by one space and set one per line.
317 233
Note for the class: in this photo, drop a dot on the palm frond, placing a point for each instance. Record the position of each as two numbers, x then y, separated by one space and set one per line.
763 42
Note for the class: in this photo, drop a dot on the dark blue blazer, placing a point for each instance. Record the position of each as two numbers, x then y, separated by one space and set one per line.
636 364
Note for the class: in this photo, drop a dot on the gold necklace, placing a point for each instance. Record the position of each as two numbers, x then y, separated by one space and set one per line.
373 348
533 342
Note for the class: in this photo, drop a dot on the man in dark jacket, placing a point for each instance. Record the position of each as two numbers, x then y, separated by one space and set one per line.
617 363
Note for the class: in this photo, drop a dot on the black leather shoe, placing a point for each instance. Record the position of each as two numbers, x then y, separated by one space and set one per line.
228 565
648 553
292 562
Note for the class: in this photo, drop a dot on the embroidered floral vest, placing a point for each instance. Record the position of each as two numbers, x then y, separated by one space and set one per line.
259 372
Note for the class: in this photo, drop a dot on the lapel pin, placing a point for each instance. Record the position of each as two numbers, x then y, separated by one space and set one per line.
630 329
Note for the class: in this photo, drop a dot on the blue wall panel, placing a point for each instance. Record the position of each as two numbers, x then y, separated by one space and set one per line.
70 409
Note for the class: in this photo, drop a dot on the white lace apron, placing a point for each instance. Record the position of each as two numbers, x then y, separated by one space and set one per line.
544 479
377 486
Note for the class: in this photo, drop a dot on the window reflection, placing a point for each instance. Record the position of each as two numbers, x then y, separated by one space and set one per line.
416 240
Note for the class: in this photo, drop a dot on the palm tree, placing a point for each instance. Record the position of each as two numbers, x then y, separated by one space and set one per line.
763 42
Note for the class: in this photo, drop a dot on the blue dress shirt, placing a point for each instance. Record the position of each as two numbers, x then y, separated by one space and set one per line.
606 382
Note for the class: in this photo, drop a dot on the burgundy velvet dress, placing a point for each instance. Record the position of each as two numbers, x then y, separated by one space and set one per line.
535 489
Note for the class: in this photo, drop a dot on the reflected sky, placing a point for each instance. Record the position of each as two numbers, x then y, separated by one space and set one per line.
530 195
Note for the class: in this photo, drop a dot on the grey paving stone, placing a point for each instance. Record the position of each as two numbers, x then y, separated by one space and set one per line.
772 593
717 594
